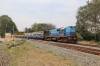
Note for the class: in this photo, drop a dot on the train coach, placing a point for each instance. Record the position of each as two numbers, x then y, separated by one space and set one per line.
67 34
37 35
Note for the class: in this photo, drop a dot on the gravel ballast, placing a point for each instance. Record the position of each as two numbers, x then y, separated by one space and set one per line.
82 59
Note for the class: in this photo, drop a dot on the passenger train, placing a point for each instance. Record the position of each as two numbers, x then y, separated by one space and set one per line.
67 34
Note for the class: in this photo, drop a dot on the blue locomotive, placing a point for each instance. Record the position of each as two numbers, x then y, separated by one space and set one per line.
63 34
67 34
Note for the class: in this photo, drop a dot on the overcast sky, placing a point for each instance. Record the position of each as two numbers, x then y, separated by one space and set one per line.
24 13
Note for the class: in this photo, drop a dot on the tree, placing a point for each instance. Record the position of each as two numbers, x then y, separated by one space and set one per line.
41 27
6 25
88 16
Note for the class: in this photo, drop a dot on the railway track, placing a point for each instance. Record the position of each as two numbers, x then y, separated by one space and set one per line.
89 45
79 44
81 48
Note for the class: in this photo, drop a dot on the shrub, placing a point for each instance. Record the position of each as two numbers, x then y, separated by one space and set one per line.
0 41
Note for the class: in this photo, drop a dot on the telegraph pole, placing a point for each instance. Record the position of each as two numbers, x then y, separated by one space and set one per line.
5 32
13 31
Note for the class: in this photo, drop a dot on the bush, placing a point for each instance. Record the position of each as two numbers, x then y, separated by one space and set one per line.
79 36
86 35
90 36
23 40
0 41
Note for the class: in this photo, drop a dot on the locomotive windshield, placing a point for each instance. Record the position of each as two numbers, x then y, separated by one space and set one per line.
72 29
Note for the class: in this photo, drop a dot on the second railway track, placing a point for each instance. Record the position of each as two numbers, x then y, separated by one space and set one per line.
81 48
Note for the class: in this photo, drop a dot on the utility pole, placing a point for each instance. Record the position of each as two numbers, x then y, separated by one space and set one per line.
13 29
5 32
27 33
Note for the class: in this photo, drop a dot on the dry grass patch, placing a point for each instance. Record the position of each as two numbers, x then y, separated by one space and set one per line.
29 55
89 42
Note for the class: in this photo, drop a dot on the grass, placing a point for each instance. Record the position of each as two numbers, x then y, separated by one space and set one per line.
16 52
49 51
93 42
90 42
27 54
63 59
55 54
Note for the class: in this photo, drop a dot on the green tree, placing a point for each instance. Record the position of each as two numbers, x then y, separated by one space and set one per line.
41 27
88 16
6 25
